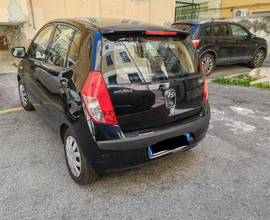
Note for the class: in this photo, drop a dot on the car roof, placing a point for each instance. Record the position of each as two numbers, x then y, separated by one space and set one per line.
202 22
111 25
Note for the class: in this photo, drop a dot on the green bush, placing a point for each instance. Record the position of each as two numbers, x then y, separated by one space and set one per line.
262 85
242 80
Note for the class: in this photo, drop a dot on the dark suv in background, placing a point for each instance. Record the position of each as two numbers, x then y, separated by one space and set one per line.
119 93
222 42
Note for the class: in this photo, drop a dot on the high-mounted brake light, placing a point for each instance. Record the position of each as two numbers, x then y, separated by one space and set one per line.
97 100
205 93
196 42
161 32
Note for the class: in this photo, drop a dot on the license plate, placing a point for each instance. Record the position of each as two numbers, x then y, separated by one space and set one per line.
161 153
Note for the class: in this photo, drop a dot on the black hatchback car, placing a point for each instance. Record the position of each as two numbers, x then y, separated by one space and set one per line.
223 42
119 93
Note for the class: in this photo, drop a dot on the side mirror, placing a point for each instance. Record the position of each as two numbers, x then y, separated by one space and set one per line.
18 52
253 36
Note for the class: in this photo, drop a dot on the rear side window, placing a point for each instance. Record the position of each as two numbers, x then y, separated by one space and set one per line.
221 30
206 30
40 44
147 59
60 45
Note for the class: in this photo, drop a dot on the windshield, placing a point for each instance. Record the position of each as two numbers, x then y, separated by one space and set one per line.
147 59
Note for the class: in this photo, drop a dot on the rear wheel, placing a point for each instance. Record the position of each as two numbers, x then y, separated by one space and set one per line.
208 62
23 98
258 59
76 163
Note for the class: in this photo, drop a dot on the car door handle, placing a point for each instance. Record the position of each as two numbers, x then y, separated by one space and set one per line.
63 83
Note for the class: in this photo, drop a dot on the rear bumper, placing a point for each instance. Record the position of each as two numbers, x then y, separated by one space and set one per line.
131 152
108 150
146 139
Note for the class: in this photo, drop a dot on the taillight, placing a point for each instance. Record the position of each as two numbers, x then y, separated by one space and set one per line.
196 42
161 32
97 100
205 94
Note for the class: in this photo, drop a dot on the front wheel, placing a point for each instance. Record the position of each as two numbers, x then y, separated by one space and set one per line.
208 63
258 59
76 163
23 98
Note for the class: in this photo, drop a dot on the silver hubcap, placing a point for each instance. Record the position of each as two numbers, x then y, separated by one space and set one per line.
258 59
207 64
73 156
23 95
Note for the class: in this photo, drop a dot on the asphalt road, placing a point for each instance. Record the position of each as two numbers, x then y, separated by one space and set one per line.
225 177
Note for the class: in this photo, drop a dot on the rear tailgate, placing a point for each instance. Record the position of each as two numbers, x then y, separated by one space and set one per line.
152 80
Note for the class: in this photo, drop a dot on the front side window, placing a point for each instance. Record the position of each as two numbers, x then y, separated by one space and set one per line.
141 59
221 30
60 45
238 31
40 44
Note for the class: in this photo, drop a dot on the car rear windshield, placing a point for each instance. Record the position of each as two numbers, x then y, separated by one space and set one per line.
191 28
141 59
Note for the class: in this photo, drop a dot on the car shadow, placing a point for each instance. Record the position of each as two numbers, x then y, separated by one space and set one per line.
226 70
147 177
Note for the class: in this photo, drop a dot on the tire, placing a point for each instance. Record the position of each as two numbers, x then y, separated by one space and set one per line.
208 62
258 59
23 98
76 163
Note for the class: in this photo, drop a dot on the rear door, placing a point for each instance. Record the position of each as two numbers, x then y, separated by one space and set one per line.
224 43
152 80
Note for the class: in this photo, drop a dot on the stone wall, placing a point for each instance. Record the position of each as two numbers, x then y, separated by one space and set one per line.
258 25
21 19
11 36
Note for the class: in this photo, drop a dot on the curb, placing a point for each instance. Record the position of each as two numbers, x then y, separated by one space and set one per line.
261 73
